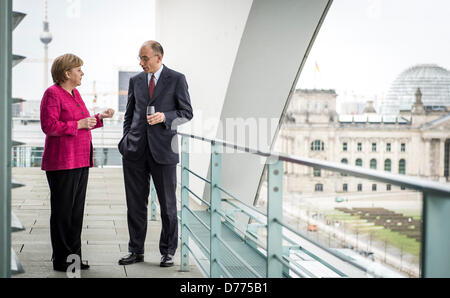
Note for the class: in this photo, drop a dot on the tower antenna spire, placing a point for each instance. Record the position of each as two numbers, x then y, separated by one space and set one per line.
46 38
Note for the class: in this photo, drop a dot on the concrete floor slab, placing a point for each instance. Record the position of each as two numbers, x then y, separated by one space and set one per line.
104 236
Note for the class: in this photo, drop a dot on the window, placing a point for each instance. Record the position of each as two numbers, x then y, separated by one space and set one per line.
388 147
403 147
317 145
359 146
402 187
446 159
316 172
374 147
387 165
319 187
344 147
344 161
373 164
358 162
345 187
388 187
402 166
360 187
374 187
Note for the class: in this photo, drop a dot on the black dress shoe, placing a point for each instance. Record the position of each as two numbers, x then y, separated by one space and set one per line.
131 258
166 261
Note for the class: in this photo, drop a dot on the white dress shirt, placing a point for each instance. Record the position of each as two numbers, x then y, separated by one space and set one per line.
157 75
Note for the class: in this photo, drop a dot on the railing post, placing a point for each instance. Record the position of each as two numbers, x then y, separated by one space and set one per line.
274 212
184 203
435 236
5 136
152 200
287 253
216 200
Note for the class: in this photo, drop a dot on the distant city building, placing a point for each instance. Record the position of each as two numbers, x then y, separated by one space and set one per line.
414 141
350 103
124 79
352 107
16 109
31 109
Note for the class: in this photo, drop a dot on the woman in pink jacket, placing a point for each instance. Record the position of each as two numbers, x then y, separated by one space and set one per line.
68 154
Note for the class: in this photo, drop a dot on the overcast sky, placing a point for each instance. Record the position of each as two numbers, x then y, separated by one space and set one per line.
362 46
106 34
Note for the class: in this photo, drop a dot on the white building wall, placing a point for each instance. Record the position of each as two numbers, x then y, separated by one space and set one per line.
242 60
201 39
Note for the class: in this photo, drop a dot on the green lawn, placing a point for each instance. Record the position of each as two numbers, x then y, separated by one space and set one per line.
396 239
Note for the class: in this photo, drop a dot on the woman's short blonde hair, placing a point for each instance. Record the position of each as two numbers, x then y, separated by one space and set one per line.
62 64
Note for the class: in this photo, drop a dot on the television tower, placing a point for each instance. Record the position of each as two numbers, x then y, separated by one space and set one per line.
46 38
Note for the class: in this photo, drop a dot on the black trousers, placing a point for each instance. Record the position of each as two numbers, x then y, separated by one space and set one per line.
67 197
137 189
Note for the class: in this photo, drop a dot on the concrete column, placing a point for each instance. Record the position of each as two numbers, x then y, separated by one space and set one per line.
307 148
300 145
414 167
441 160
330 152
427 165
5 137
396 157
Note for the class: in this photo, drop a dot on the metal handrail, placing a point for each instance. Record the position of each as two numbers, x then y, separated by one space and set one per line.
198 218
245 204
296 264
254 239
204 202
396 179
289 266
197 259
331 252
323 262
243 211
198 176
432 193
233 225
197 240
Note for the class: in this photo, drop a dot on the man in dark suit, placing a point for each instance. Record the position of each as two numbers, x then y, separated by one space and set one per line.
149 146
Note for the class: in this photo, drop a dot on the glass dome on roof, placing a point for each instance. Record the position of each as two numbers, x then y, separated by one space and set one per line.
433 81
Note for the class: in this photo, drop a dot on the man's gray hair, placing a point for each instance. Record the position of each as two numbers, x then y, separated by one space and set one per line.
156 47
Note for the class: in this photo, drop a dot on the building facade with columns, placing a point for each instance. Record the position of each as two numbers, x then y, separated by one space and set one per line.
411 136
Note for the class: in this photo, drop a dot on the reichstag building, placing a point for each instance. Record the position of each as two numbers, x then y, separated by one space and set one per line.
410 134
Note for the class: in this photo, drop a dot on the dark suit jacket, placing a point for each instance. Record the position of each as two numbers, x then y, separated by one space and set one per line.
171 97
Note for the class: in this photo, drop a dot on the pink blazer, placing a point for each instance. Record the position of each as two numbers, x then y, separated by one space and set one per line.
66 146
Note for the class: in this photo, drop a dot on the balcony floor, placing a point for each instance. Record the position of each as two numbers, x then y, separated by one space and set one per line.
105 233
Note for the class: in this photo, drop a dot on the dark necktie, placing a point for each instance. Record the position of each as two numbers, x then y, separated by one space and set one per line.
151 86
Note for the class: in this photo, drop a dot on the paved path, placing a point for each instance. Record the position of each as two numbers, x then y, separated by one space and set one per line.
105 234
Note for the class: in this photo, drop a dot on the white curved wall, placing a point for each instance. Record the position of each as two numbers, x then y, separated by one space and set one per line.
242 60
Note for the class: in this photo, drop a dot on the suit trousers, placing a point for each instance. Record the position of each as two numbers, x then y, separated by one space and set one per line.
137 188
67 198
